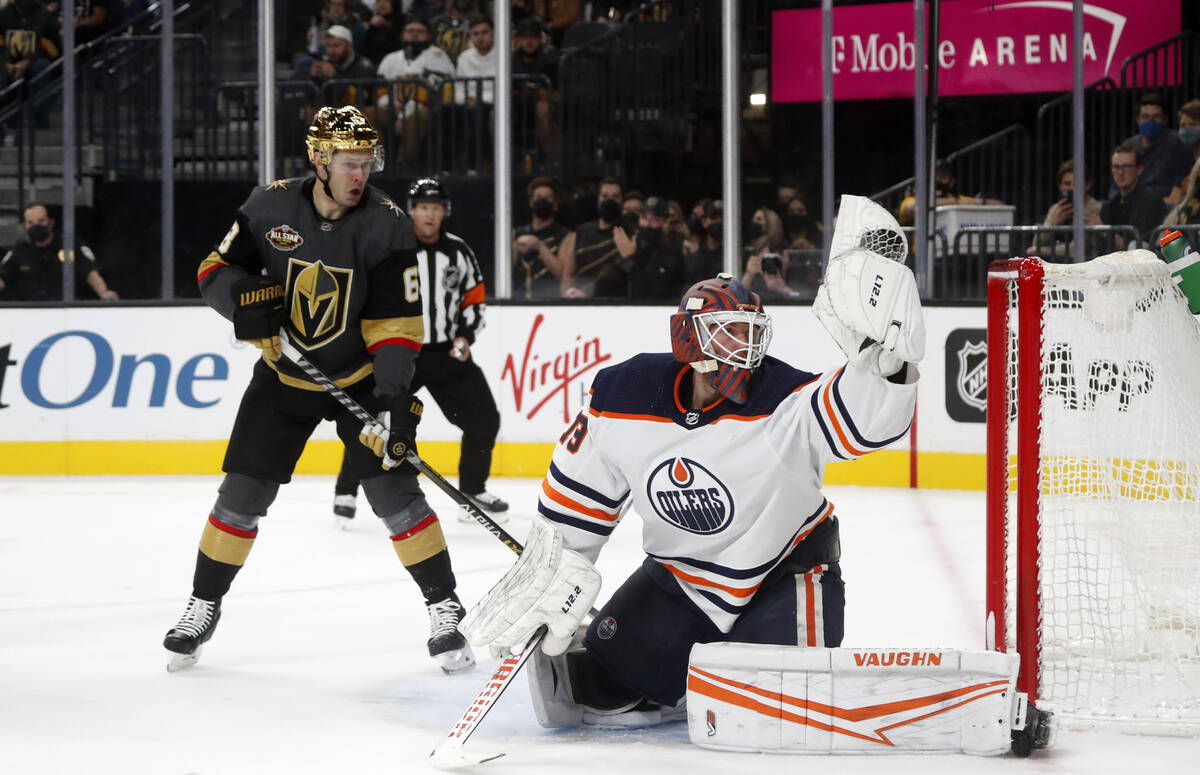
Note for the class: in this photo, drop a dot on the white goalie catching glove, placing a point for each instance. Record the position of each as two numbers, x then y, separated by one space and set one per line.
548 586
868 301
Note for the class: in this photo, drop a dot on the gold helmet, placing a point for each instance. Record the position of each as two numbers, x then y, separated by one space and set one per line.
342 129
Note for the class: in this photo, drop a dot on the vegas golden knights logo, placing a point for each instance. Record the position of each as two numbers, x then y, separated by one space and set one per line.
319 296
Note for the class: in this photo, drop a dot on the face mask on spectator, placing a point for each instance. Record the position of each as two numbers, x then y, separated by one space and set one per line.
1151 129
695 225
610 210
716 230
413 49
754 230
796 224
38 232
1189 136
649 236
542 207
629 223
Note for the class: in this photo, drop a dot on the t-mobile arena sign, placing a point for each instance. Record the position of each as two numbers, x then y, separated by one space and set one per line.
986 47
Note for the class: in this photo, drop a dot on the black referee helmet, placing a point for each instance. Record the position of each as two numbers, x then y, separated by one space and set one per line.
428 190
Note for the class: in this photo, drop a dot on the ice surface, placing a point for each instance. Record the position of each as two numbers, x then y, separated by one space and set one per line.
319 664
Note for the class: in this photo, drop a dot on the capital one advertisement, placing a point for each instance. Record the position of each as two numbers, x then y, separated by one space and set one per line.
985 46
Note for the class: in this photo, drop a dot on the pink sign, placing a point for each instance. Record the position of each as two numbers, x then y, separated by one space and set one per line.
986 47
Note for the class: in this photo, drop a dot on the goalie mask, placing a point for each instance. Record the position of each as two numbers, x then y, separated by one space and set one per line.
342 129
721 327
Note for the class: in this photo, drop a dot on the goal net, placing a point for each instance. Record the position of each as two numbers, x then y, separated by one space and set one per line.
1094 488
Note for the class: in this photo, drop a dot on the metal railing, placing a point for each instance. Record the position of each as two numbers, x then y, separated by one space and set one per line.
1169 67
994 167
1106 112
961 273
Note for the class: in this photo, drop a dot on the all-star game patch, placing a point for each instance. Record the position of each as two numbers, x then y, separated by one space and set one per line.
284 237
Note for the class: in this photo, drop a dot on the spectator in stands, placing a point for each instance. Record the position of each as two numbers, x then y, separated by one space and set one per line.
32 270
469 120
709 257
92 19
520 10
695 227
29 37
765 226
535 72
591 254
769 272
609 11
676 228
655 270
803 231
1189 135
631 210
787 191
1133 204
945 185
335 12
558 15
1188 209
341 63
415 65
1062 213
452 27
537 268
1164 158
385 31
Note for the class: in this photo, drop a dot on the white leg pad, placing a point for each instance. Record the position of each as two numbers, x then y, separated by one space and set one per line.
753 697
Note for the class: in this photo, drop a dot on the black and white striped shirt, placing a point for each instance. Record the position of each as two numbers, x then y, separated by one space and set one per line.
452 290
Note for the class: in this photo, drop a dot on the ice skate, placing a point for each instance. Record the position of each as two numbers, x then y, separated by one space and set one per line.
344 507
486 501
446 644
193 629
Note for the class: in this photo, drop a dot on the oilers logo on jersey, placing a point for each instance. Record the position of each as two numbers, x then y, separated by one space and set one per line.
689 496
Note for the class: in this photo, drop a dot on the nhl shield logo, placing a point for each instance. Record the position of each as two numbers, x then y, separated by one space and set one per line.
284 237
688 495
972 374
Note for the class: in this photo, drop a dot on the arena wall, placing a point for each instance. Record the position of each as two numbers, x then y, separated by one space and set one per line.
154 390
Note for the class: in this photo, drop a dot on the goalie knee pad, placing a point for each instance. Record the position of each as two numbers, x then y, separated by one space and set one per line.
751 697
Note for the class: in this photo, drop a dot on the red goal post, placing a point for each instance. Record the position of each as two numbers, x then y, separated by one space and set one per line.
1093 489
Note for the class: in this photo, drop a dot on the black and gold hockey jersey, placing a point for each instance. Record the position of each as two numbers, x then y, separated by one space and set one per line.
352 285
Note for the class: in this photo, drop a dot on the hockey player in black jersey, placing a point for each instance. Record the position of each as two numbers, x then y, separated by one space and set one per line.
453 293
332 259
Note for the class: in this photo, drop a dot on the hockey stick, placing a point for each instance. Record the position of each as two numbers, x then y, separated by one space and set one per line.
458 496
449 753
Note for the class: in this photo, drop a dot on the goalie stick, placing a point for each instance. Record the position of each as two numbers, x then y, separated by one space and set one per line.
449 753
316 375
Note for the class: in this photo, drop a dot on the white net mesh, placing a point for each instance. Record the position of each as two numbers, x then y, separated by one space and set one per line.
1119 495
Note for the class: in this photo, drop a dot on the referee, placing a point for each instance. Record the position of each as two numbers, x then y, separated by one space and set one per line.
452 293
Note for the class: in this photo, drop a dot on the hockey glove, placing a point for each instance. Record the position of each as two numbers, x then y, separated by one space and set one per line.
549 586
258 313
868 297
394 431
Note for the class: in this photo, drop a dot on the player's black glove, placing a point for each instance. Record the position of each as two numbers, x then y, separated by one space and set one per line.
258 313
394 431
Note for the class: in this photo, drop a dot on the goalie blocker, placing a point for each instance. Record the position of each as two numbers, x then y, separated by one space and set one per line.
753 697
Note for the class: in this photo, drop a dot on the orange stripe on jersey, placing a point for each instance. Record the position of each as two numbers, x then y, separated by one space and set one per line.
833 420
703 582
474 296
623 416
209 265
678 379
563 500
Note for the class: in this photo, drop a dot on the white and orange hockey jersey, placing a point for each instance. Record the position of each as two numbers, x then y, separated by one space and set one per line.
725 493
